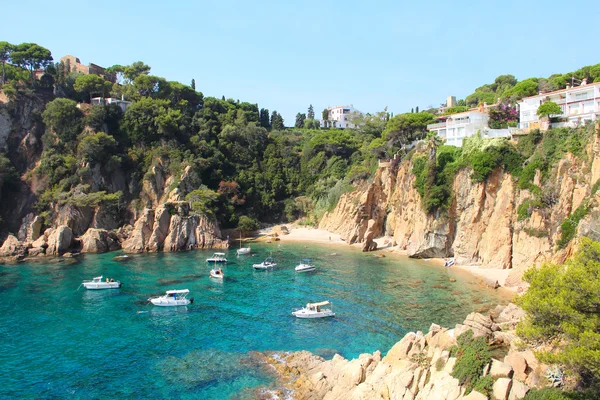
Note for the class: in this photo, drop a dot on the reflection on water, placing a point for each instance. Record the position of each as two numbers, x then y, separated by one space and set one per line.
57 339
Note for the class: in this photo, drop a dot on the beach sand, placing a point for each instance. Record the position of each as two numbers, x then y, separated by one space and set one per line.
384 246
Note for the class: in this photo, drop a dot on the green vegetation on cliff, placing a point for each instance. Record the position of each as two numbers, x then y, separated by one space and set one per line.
563 311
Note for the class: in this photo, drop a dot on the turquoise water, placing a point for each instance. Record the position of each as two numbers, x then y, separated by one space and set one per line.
58 342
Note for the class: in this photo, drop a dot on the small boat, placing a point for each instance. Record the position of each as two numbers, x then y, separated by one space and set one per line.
98 284
305 265
268 263
314 310
172 298
243 250
449 262
122 257
217 257
217 273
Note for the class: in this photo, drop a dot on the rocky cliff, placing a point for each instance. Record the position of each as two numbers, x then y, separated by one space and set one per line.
419 366
151 214
482 225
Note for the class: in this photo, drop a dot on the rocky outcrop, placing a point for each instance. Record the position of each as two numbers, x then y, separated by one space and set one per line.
12 247
172 227
99 241
59 240
415 368
31 228
483 225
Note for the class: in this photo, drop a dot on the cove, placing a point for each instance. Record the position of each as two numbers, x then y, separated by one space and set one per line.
59 342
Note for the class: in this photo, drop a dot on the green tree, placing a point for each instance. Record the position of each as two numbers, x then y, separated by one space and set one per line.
118 71
406 128
247 224
528 87
92 84
548 108
148 120
563 306
64 118
203 200
138 68
311 112
417 109
31 57
264 118
5 51
325 114
300 118
277 121
96 148
193 84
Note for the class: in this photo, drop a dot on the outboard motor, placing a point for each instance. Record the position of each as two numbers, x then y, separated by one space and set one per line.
191 300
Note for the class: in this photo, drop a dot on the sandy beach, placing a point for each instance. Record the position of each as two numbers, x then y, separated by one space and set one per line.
384 244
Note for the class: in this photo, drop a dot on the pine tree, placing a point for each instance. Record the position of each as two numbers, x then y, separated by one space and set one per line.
311 112
193 85
300 118
412 110
264 118
417 109
276 121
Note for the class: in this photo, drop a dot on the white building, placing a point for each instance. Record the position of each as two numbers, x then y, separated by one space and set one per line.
96 101
578 104
339 117
455 127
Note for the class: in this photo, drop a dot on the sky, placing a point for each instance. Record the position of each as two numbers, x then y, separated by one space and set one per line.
285 55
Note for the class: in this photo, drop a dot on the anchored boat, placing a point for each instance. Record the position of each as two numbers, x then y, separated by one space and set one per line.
217 257
314 310
172 298
217 273
268 263
305 265
98 284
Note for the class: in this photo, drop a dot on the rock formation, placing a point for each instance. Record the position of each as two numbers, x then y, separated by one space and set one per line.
417 367
482 225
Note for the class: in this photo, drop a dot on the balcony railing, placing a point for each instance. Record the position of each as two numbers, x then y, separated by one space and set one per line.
436 126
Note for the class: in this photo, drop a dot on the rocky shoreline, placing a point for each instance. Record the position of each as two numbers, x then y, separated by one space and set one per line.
417 367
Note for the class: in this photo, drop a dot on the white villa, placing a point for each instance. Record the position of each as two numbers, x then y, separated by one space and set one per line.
339 117
578 104
455 127
96 101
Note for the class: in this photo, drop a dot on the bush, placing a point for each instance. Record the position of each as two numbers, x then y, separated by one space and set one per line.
569 226
247 224
472 356
562 306
546 394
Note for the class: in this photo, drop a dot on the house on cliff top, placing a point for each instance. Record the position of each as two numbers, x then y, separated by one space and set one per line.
579 105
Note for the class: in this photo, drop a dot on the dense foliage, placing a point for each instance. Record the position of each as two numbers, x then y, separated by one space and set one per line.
563 307
472 355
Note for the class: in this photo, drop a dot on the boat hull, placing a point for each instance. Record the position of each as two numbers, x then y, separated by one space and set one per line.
170 302
215 275
305 268
101 285
263 266
216 260
310 315
243 250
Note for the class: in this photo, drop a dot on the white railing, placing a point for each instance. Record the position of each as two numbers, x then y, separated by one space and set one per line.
436 126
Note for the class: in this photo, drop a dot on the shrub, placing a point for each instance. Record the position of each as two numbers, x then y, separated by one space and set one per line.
247 224
569 226
562 303
484 385
472 356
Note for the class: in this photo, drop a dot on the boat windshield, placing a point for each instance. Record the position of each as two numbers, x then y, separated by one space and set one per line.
306 260
269 260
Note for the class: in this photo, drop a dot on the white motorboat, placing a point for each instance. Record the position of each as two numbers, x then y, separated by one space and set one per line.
243 250
314 310
172 298
217 257
268 263
122 257
305 265
217 273
449 262
98 284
